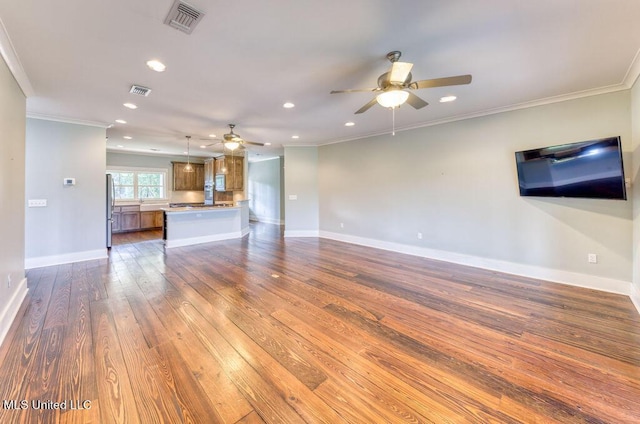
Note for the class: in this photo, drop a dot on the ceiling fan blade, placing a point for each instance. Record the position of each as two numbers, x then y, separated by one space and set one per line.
399 72
367 106
253 143
416 101
356 90
441 82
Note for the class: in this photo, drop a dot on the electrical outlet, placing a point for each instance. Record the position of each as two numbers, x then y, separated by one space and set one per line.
419 236
342 225
8 281
592 258
37 203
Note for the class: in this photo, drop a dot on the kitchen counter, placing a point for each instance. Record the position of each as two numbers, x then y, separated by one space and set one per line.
189 225
198 208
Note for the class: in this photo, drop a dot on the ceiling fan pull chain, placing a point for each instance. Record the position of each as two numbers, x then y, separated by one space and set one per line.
393 114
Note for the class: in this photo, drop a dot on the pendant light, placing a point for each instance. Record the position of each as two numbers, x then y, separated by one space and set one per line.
188 167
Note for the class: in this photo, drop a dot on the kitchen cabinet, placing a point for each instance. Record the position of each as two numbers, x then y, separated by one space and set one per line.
209 171
158 221
150 219
129 218
115 219
147 219
233 168
192 181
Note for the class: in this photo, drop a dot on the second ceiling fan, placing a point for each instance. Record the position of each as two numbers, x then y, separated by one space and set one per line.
395 86
232 141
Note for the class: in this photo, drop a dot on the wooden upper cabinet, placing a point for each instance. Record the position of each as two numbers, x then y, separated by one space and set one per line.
220 165
237 173
209 171
233 168
182 180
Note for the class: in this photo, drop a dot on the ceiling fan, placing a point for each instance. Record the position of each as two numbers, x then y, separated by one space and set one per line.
394 87
232 141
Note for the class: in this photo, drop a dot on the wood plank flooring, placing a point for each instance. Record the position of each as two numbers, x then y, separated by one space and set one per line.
273 330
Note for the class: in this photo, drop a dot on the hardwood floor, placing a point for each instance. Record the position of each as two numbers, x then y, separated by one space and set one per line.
274 330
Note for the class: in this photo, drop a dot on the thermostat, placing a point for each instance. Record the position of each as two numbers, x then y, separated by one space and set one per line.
69 182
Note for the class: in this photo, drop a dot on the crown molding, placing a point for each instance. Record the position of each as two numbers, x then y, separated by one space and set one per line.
633 72
13 62
69 120
630 77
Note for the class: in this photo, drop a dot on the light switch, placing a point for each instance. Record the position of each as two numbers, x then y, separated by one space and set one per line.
293 197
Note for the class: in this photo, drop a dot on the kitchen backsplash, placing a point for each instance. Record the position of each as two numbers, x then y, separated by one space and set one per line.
186 197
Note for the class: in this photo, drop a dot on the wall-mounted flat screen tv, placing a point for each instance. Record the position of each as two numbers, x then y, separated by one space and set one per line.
588 169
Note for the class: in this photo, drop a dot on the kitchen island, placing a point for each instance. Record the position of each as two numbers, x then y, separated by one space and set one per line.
193 225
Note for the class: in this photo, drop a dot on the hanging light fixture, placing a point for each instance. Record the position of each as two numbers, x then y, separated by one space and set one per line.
392 98
188 167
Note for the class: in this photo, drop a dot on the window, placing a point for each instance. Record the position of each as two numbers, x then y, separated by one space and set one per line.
139 183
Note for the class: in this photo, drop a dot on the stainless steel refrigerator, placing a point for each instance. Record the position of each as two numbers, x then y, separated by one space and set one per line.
111 195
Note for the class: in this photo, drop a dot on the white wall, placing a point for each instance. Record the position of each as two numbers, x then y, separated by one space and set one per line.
456 184
153 161
301 182
265 194
72 227
12 146
635 189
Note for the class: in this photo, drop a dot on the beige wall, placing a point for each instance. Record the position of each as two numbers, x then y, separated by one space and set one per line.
12 162
456 184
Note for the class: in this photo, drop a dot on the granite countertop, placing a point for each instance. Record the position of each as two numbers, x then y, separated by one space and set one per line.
200 208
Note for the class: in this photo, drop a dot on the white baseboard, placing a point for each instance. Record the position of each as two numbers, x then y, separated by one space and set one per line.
205 239
302 233
11 310
635 296
66 258
558 276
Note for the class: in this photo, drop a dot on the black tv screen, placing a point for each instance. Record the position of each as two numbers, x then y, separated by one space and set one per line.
588 169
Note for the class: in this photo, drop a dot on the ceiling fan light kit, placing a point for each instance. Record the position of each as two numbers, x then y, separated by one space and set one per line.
392 98
231 145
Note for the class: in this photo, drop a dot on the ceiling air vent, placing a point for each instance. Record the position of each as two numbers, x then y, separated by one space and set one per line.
140 90
183 16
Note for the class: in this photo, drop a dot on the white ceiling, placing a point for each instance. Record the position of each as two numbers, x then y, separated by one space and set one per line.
246 58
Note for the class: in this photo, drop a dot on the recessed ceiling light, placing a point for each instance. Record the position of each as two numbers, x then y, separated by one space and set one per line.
156 65
127 137
267 144
295 136
446 99
120 145
130 105
121 121
203 147
349 124
288 105
212 135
